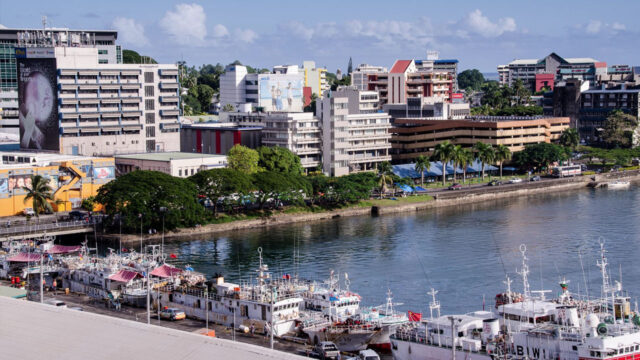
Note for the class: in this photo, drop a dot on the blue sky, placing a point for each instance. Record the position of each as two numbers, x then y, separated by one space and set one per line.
481 34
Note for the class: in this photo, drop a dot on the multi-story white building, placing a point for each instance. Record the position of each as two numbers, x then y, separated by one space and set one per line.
355 136
178 164
286 88
107 109
298 132
360 75
432 108
503 74
103 40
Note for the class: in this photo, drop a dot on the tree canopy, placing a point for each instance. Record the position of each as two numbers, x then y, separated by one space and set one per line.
243 159
132 57
539 156
471 79
218 184
279 159
619 130
138 197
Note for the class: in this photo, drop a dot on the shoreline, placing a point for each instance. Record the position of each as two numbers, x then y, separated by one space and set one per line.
441 200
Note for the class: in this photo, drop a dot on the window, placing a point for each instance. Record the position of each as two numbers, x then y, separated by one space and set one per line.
103 61
192 171
151 131
151 145
180 172
148 77
149 104
103 52
148 91
150 118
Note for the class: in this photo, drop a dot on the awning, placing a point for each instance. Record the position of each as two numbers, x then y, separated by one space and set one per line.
62 249
165 271
124 276
24 257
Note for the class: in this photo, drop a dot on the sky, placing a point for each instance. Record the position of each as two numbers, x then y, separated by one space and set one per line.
480 34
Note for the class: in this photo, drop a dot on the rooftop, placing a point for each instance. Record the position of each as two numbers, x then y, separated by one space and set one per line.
71 334
400 66
167 156
38 159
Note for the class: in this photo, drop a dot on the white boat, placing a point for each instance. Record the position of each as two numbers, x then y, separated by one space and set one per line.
618 184
384 317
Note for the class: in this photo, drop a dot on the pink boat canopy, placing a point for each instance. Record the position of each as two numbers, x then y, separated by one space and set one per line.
124 276
62 249
25 257
165 271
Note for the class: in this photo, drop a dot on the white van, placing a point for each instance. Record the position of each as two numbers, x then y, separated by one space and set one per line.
56 303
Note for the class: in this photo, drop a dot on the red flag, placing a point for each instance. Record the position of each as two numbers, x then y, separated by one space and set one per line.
414 316
173 256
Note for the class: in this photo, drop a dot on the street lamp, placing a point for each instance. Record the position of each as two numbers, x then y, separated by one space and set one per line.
206 306
148 294
163 210
273 292
140 216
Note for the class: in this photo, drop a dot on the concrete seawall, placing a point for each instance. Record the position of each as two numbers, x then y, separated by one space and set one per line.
442 199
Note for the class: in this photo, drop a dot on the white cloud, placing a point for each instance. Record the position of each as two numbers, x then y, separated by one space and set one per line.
297 29
245 35
130 32
220 31
593 27
2 26
618 27
186 24
597 27
477 23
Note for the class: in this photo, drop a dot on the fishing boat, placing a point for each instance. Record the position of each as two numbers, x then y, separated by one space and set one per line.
384 317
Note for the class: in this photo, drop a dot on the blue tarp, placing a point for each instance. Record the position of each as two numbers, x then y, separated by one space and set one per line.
405 188
509 168
420 188
409 170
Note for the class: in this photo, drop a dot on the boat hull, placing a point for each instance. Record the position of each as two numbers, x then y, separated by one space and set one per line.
407 350
345 340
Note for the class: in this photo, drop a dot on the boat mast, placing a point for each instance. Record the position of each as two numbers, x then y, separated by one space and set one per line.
434 304
524 272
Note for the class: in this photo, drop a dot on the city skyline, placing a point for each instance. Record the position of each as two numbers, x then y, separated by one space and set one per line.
479 35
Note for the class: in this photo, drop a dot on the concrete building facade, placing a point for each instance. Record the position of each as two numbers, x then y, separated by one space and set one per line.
414 137
434 108
359 77
72 178
597 104
355 135
218 137
172 163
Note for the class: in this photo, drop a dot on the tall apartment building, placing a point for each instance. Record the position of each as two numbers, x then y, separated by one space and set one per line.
286 88
355 136
298 132
597 104
104 41
539 73
449 66
97 109
360 75
411 78
433 108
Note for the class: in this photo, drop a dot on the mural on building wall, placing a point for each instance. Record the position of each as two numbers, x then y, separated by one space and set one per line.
103 173
37 95
280 93
17 182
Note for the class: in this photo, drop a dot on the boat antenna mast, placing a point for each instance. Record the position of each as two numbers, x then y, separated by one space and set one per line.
389 306
262 270
524 272
434 304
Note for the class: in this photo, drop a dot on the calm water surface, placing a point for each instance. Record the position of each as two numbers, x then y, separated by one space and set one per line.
463 252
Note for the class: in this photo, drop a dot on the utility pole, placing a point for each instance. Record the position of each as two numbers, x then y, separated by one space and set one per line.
140 216
273 292
41 279
206 306
148 296
453 337
163 210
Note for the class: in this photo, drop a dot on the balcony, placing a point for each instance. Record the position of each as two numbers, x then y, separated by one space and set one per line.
165 85
169 112
168 72
169 99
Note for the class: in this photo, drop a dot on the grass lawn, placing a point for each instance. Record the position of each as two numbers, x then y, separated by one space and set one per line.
400 200
472 181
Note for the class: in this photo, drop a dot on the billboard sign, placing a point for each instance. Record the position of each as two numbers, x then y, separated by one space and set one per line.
17 182
37 96
281 92
103 173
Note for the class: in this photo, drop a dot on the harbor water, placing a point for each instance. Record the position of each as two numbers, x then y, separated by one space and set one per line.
463 252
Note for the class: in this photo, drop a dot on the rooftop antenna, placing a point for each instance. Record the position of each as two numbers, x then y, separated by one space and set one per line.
524 272
434 304
44 22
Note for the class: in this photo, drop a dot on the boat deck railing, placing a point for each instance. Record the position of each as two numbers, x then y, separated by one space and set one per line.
240 295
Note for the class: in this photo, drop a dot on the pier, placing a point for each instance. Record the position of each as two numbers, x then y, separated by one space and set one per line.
40 230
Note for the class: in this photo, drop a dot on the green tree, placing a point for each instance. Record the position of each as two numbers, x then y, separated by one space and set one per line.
218 184
350 66
312 105
470 79
243 159
385 172
353 187
144 193
521 94
485 154
275 188
40 192
539 156
502 154
203 94
466 158
443 152
570 138
89 203
279 159
228 108
422 164
458 157
619 129
132 57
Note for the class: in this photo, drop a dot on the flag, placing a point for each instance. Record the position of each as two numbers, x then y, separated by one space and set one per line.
333 298
414 316
286 276
173 256
124 250
188 268
50 257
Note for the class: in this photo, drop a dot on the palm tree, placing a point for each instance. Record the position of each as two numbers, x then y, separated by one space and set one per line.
457 157
384 171
422 164
502 154
485 154
465 159
39 193
570 138
443 152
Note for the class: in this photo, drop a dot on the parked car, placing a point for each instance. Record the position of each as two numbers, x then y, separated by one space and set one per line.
172 314
535 178
326 350
77 215
28 212
368 354
76 308
455 186
515 181
494 183
56 303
